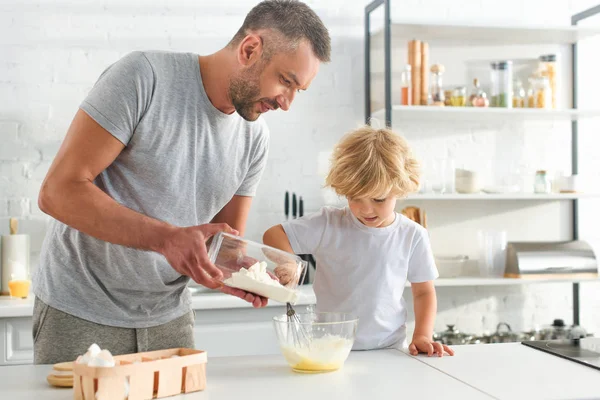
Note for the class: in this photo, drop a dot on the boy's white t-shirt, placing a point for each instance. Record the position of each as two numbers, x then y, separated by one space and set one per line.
363 270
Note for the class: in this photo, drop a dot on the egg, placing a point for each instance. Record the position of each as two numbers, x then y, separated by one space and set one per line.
104 359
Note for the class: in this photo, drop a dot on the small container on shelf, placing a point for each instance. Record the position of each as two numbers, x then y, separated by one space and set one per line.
543 93
530 103
502 78
548 69
448 97
542 183
459 97
478 97
405 91
437 89
519 95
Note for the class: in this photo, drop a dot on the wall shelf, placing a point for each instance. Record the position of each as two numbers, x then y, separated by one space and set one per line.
407 113
479 281
488 35
508 196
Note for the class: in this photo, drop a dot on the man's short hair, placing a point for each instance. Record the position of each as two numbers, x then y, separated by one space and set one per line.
291 21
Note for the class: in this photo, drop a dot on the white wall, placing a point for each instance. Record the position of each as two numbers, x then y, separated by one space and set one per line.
53 51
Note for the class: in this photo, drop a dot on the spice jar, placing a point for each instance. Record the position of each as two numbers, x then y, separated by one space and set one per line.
542 182
459 96
519 96
502 78
478 97
531 92
543 93
437 90
406 87
448 97
548 69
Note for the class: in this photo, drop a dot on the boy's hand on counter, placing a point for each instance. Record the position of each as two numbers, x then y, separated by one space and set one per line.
424 344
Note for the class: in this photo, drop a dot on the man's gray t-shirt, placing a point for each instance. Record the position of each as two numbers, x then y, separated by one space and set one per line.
182 163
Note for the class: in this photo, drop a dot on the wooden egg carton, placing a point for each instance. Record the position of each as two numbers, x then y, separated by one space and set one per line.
154 374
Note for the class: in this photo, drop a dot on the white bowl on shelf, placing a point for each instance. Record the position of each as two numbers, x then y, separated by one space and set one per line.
451 266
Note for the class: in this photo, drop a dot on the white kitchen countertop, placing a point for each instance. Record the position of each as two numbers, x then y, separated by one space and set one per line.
500 371
200 301
515 371
385 374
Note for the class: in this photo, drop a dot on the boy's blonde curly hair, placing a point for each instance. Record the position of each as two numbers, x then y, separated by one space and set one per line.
371 162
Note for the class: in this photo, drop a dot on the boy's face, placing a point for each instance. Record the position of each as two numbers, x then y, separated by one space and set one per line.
374 212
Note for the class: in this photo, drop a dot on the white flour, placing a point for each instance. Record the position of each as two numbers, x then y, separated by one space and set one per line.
256 280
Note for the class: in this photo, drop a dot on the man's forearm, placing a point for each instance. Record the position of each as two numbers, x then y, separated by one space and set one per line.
425 305
83 206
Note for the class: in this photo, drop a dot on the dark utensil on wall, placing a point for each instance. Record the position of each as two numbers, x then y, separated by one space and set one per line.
286 205
294 206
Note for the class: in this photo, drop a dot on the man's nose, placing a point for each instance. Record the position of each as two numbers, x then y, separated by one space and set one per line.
285 101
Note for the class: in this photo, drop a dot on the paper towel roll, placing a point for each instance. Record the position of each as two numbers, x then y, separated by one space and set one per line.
15 254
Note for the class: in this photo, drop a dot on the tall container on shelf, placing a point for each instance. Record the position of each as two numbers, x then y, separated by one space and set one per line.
502 84
424 74
406 89
414 59
548 70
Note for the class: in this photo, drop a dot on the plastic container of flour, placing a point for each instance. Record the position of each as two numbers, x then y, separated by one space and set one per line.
257 268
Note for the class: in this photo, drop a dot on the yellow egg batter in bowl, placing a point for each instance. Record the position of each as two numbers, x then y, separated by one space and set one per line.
320 342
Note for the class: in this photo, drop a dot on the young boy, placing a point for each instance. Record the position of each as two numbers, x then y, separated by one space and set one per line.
366 252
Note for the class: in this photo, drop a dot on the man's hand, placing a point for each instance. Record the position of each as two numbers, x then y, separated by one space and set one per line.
185 250
423 344
254 299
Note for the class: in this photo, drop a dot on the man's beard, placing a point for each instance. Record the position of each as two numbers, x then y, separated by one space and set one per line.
244 91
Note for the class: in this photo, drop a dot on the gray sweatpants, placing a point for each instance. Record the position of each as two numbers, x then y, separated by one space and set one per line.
60 337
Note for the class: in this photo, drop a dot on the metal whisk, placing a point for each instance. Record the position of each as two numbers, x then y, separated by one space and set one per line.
299 334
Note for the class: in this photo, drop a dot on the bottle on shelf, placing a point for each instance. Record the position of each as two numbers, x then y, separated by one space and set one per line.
459 97
547 67
542 183
437 89
414 60
478 97
531 92
406 89
543 93
423 100
519 95
502 80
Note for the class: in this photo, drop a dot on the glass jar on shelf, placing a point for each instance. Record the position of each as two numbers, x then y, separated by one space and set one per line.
459 97
519 96
448 97
502 80
547 67
406 88
477 98
542 183
543 93
437 90
531 92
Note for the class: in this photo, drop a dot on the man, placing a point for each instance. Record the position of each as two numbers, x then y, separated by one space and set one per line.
166 150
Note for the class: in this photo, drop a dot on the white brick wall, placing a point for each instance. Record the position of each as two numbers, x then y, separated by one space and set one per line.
52 52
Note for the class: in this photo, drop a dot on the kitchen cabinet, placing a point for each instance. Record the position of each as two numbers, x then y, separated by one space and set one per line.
237 332
16 343
228 332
